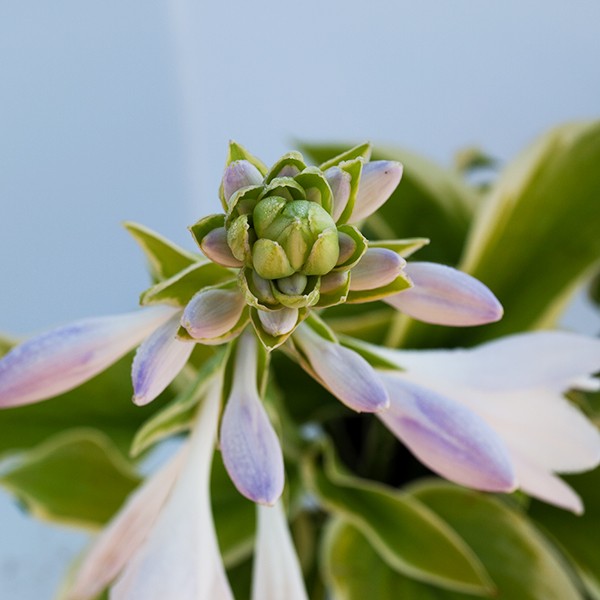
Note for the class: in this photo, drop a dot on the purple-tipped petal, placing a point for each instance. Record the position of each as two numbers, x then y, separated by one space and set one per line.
239 174
158 360
376 268
447 437
276 573
125 534
212 313
278 322
339 182
444 296
215 247
377 182
346 374
61 359
249 445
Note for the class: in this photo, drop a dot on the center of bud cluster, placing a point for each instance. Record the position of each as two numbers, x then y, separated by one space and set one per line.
294 239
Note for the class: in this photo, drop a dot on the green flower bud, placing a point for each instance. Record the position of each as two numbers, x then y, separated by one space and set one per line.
302 229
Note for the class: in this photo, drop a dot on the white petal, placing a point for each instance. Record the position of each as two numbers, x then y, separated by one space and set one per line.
377 182
215 246
276 572
249 445
339 182
61 359
181 559
212 313
541 484
447 437
124 535
346 374
158 360
278 322
551 359
376 268
444 296
239 174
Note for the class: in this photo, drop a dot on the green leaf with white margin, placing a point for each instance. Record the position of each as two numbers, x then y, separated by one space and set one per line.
179 289
577 535
293 160
164 257
78 477
431 201
179 415
269 341
103 403
361 151
407 535
404 248
521 562
539 232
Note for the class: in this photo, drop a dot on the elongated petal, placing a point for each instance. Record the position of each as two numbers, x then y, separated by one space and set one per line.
444 296
276 572
180 558
541 484
346 374
376 268
278 322
250 447
377 182
158 360
447 437
61 359
125 534
212 313
339 181
544 359
239 174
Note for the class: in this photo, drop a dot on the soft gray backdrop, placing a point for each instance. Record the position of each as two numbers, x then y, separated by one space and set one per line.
122 110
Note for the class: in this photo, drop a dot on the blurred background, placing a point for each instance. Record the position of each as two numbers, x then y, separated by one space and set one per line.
120 111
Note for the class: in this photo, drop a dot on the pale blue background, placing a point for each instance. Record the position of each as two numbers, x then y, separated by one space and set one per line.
122 110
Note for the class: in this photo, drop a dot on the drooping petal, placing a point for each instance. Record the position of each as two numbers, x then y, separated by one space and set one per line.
249 445
376 268
276 572
444 296
378 180
212 313
125 534
447 437
278 322
61 359
346 374
340 184
239 174
544 359
542 484
158 360
180 558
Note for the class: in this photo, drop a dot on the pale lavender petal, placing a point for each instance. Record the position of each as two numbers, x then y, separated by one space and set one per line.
444 296
249 445
542 484
61 359
180 558
278 322
158 360
376 268
339 182
346 374
276 572
447 437
125 534
212 313
239 174
377 182
215 247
